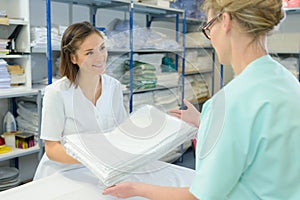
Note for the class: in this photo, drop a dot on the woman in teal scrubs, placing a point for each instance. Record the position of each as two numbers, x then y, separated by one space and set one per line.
249 132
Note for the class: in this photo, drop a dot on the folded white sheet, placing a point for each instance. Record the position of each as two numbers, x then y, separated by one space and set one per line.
147 135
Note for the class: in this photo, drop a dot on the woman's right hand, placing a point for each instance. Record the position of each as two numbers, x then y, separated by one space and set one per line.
123 190
191 115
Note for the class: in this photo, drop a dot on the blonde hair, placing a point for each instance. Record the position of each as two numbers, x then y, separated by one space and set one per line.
256 17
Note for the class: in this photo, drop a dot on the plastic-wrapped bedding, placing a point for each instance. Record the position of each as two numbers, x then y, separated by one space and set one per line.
147 135
28 110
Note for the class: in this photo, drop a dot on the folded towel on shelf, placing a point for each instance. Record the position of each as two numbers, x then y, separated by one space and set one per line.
147 135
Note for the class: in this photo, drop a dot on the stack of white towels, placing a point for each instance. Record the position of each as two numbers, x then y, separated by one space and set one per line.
146 136
28 119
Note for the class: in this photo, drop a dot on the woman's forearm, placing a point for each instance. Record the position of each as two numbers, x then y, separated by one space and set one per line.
154 192
56 152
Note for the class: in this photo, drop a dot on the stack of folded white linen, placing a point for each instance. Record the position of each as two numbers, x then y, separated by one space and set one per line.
168 79
147 135
28 118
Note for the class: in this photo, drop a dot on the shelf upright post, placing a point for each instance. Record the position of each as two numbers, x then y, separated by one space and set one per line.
183 57
93 12
213 72
177 39
70 13
148 21
49 46
39 110
131 55
182 67
221 75
299 66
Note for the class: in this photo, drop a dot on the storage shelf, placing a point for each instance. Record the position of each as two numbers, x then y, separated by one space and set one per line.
43 49
135 91
190 21
145 51
17 91
19 152
14 56
198 47
283 51
200 100
123 5
292 10
121 51
18 21
200 71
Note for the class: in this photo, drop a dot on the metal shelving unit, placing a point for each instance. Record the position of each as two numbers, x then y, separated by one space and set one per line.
18 18
16 153
130 7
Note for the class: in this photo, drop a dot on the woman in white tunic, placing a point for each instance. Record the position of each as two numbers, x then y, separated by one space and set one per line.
249 131
84 100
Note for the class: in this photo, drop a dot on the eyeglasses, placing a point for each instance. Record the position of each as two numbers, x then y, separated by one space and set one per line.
205 28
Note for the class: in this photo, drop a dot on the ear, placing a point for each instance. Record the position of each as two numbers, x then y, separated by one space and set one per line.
227 22
73 59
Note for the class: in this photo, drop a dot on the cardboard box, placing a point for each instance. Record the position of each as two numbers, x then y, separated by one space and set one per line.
18 78
24 140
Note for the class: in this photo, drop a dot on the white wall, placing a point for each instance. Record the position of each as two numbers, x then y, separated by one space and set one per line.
291 23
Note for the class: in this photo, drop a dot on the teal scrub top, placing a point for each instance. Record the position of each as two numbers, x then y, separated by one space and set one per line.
249 137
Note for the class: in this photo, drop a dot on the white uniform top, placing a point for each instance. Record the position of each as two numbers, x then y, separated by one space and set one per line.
67 111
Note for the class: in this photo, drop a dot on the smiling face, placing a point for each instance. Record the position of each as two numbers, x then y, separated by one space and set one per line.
91 55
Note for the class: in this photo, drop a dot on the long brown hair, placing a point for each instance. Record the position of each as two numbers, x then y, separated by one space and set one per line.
72 38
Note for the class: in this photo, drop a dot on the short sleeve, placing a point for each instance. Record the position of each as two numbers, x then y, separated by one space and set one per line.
53 116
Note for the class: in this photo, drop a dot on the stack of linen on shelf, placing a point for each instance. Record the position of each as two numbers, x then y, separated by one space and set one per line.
4 75
17 74
160 3
152 58
28 119
197 60
166 99
9 178
147 135
167 79
143 38
195 88
144 75
190 6
39 36
114 66
3 46
291 63
195 39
